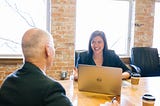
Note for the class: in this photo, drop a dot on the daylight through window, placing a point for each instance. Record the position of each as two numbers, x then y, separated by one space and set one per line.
16 17
156 34
110 16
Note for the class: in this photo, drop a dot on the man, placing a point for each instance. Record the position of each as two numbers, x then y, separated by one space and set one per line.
29 85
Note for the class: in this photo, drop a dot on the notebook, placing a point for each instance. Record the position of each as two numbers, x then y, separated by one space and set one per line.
99 79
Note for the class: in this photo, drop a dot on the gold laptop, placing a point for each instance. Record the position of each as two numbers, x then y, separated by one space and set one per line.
100 79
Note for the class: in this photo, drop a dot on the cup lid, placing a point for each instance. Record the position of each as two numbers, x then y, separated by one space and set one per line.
136 75
148 97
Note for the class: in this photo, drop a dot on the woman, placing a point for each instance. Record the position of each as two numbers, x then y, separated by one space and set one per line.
98 54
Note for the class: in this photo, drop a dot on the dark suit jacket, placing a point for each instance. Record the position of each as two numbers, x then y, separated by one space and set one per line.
30 87
110 58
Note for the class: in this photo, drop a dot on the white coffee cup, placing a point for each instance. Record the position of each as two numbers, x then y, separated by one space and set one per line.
148 100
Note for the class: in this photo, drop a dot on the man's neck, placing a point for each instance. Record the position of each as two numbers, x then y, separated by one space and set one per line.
39 64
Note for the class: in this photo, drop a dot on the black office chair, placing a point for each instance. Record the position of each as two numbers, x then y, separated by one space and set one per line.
80 54
145 61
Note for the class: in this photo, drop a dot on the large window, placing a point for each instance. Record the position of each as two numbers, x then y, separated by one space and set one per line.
16 17
110 16
156 35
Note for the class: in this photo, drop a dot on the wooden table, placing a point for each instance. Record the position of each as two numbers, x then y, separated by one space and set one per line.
129 95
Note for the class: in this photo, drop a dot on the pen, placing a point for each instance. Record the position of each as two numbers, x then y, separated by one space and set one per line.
114 98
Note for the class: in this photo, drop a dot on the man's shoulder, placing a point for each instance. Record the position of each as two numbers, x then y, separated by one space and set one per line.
52 82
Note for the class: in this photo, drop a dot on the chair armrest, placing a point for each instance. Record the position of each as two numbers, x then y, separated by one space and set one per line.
135 69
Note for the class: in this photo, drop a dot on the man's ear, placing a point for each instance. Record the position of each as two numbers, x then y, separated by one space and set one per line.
47 50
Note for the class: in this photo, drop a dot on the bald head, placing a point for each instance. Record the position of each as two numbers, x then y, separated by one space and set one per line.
34 42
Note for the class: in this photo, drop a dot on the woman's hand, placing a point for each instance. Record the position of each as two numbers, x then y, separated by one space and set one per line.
125 75
75 74
112 103
115 103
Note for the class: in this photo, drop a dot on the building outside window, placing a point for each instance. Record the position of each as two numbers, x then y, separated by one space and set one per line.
17 16
111 16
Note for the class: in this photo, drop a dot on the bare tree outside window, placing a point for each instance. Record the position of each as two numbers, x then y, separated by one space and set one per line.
16 17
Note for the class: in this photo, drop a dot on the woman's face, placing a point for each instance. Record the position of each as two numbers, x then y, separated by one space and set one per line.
97 45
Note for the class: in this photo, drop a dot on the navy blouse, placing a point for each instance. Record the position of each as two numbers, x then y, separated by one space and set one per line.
110 58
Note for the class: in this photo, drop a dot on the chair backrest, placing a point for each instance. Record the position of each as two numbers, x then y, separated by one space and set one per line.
147 59
80 54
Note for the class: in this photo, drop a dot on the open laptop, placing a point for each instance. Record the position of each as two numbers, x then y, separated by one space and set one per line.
100 79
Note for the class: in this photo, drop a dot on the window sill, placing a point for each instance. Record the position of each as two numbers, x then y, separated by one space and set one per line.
7 60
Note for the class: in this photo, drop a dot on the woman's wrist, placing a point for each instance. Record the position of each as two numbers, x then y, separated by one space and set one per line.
125 75
75 74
